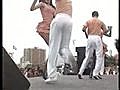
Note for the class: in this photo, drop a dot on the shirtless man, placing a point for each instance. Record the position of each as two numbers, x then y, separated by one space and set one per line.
94 28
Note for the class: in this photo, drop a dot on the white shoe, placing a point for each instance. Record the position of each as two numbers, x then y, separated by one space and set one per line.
52 79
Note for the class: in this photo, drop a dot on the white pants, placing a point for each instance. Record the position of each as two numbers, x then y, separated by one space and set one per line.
94 43
102 66
60 33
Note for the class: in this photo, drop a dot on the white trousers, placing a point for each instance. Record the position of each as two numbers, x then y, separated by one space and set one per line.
94 43
102 66
60 33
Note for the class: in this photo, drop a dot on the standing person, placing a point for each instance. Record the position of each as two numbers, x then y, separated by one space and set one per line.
104 49
102 66
94 27
48 13
60 34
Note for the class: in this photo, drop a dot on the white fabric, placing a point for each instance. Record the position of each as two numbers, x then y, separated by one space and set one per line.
60 33
102 66
94 43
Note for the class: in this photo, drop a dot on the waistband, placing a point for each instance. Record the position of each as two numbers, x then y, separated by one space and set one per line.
94 36
63 14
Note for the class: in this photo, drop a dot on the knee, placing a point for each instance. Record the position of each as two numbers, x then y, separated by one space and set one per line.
64 51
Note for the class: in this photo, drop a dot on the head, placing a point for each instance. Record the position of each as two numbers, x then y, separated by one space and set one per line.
95 14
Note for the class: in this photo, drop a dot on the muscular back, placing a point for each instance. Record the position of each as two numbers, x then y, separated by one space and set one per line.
94 26
64 6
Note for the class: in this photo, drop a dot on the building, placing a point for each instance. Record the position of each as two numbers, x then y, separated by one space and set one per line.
33 56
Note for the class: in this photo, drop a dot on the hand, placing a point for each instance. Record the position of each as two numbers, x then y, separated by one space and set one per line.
109 27
83 30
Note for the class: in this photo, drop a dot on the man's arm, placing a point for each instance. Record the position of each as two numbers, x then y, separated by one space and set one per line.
33 6
84 30
105 30
109 31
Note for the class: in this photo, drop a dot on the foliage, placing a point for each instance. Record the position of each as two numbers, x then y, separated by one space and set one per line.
109 60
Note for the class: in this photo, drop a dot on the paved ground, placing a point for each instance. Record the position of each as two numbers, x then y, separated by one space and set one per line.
71 82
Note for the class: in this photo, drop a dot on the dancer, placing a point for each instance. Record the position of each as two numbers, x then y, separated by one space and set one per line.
60 34
104 48
93 58
94 42
48 13
102 66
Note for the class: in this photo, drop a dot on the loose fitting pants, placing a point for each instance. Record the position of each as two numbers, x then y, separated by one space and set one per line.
60 34
102 66
94 43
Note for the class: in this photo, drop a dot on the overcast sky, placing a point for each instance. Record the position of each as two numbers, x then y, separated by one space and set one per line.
19 24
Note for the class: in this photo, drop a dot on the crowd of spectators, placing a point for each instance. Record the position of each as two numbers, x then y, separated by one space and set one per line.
33 71
36 71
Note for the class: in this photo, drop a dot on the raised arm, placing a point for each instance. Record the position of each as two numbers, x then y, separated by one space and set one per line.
106 32
34 6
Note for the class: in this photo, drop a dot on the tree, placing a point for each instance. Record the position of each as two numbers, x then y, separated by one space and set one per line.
109 60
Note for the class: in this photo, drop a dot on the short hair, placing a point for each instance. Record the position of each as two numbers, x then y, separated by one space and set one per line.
95 13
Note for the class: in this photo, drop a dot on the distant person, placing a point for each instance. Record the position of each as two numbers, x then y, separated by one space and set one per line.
104 49
103 65
60 34
94 28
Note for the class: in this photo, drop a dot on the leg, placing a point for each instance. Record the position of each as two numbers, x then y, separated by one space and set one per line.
102 67
93 64
99 55
64 48
88 55
45 36
54 45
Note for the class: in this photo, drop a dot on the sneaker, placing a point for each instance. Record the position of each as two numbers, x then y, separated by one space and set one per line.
51 80
79 76
97 77
44 75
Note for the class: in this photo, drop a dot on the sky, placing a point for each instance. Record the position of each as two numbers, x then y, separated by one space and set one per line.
19 24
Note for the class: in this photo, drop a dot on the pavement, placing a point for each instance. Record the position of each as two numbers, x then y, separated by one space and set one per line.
71 82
